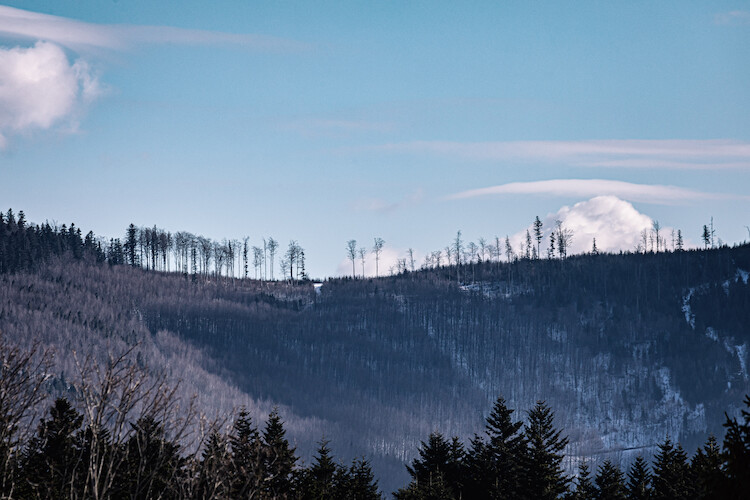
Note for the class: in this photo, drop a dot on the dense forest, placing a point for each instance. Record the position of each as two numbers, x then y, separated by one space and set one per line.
628 349
131 438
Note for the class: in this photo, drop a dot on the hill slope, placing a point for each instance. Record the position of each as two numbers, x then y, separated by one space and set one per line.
626 348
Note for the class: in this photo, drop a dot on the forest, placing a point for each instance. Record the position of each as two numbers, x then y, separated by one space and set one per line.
131 438
629 349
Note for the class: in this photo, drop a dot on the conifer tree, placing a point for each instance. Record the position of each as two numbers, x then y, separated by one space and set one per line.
319 482
705 469
246 457
543 474
736 452
671 471
495 465
214 479
361 483
585 489
439 461
278 459
52 465
639 480
153 462
610 482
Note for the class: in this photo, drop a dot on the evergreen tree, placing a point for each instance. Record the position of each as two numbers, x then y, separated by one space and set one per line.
736 452
214 478
320 481
610 482
278 459
705 469
494 465
440 461
543 475
246 457
670 479
52 462
639 480
153 464
361 483
585 489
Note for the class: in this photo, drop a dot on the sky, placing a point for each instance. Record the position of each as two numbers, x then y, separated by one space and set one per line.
323 122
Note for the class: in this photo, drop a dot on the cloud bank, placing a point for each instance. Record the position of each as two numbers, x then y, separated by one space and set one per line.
646 193
39 88
666 154
615 224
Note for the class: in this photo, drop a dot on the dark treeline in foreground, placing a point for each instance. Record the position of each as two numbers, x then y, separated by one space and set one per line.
514 460
125 435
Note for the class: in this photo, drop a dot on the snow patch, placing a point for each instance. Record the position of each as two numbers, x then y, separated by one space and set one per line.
742 356
743 275
689 316
711 333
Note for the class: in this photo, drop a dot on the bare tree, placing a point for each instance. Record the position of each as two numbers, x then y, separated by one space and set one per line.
351 253
410 252
22 373
508 249
657 228
113 396
362 253
272 246
377 248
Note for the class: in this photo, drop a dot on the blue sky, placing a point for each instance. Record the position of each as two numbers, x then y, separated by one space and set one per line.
329 121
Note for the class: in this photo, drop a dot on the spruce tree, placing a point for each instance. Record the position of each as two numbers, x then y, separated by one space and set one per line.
671 471
153 465
639 480
439 461
705 470
246 457
736 452
585 489
495 465
278 459
214 480
610 482
361 484
543 474
319 482
52 463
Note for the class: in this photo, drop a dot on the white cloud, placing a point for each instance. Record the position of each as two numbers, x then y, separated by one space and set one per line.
735 17
646 193
671 154
40 88
80 35
615 224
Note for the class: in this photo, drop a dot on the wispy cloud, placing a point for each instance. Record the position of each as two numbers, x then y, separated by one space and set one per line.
667 154
734 17
79 35
646 193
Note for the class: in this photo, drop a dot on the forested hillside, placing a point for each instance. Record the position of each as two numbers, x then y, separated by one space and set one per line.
627 349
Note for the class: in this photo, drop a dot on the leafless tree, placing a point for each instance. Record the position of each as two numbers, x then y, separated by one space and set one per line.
377 249
351 253
272 246
362 253
22 374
